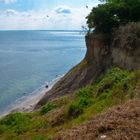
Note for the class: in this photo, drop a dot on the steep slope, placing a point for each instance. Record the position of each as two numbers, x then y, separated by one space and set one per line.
121 50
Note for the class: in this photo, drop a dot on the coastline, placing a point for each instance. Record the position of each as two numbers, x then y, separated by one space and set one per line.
27 103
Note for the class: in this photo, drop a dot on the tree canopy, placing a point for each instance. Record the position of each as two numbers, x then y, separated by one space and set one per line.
112 13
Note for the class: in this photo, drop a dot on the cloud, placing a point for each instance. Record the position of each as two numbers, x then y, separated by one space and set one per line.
10 12
63 11
61 17
7 1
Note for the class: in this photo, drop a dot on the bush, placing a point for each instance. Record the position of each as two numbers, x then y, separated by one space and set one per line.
85 92
77 107
102 18
46 108
83 100
113 77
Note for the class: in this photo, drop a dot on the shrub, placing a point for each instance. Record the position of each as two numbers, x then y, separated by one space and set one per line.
83 100
113 77
77 107
46 108
85 92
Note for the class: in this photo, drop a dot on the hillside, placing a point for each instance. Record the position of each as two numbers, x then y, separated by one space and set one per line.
57 117
122 50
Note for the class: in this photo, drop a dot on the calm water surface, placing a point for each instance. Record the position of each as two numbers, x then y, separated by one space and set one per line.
29 59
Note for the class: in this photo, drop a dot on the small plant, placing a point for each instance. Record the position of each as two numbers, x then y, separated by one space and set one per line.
85 92
77 107
46 108
82 101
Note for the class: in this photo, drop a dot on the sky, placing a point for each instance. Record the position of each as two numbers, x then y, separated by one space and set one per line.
44 14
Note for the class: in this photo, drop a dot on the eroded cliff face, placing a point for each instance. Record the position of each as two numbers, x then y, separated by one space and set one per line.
125 46
127 59
96 62
115 54
99 57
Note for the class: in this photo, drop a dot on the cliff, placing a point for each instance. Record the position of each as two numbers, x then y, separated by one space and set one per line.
100 56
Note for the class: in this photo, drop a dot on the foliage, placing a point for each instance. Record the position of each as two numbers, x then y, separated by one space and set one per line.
46 108
113 13
20 123
39 137
114 87
82 101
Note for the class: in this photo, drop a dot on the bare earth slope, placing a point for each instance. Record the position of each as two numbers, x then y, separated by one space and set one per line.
119 123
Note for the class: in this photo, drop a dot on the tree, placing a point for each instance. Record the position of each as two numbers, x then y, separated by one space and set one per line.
113 13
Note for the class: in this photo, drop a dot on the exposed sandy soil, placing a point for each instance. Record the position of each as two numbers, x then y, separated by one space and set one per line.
118 123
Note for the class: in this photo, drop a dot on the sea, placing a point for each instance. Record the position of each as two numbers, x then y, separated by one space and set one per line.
30 60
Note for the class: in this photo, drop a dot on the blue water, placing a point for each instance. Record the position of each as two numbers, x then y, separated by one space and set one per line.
28 59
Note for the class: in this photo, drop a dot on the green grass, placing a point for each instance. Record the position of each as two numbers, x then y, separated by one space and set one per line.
39 137
82 101
17 122
46 108
115 87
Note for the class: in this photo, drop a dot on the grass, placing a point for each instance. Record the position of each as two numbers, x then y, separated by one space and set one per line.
115 87
46 108
82 101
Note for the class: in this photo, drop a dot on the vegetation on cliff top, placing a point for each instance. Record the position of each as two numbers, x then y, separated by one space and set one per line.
115 87
113 13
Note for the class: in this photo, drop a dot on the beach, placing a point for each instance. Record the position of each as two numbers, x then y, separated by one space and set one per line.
25 104
28 103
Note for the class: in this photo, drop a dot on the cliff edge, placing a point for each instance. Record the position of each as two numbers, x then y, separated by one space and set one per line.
121 50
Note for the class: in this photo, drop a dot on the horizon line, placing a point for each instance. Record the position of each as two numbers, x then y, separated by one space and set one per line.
43 30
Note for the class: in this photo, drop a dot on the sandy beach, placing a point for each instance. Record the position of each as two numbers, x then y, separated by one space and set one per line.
27 103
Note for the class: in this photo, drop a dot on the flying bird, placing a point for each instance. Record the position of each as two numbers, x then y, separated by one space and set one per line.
87 6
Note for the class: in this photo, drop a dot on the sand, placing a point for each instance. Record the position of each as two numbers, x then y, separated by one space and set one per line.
27 103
